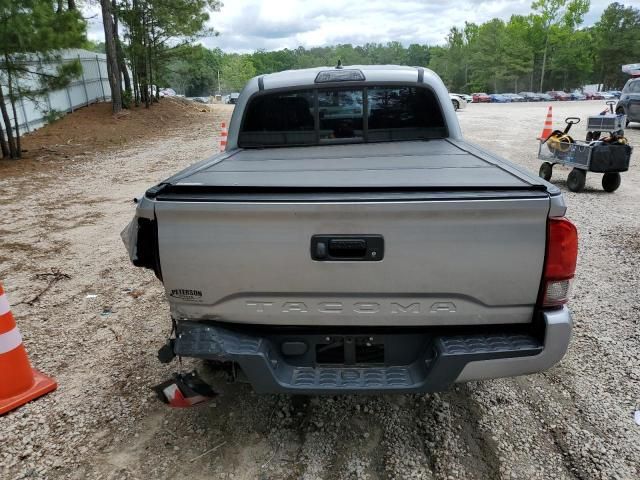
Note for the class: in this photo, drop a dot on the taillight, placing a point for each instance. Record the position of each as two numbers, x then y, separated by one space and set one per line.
560 262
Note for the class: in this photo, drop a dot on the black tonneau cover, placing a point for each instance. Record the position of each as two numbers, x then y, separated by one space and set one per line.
429 165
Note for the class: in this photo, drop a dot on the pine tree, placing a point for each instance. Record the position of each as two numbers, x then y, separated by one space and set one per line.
31 32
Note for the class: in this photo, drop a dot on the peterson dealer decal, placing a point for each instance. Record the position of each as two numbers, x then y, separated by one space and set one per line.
186 295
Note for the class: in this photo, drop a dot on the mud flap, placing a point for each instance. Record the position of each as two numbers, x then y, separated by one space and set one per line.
184 390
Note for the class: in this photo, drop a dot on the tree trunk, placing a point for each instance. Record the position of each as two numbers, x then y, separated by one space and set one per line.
544 60
124 70
71 4
7 123
150 64
4 146
136 80
16 125
112 58
119 51
60 7
466 77
12 99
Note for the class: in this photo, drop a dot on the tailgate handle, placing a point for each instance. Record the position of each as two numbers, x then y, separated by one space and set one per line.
347 247
368 248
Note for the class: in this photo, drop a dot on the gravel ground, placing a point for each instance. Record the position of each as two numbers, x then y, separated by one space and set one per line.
572 422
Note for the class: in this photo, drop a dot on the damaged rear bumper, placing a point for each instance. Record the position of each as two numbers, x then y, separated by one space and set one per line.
286 362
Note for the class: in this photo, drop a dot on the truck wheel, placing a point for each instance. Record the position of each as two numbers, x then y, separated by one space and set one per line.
546 170
611 181
576 180
456 105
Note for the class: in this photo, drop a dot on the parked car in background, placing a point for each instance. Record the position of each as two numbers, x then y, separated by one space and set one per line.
467 98
545 97
558 95
233 98
615 93
499 98
168 92
577 96
608 96
457 101
480 98
594 95
514 97
629 103
530 96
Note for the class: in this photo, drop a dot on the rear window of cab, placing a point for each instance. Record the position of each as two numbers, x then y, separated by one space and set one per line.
341 115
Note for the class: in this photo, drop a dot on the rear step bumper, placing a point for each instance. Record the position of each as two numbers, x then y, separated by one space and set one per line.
444 360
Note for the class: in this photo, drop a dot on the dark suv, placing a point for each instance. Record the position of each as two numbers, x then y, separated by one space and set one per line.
629 102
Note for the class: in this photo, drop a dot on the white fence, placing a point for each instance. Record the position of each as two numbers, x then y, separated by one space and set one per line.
92 86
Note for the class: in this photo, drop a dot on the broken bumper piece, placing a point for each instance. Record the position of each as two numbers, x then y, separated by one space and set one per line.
184 390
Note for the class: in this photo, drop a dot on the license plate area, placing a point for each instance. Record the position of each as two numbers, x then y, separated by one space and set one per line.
350 350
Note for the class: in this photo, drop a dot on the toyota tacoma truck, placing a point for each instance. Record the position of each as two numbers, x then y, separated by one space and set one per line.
350 240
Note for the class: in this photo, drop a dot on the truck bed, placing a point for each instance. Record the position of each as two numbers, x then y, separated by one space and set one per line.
432 164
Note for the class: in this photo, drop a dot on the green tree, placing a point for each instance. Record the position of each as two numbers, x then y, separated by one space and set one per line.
192 70
552 14
616 41
31 32
519 54
153 28
418 55
571 60
236 70
489 54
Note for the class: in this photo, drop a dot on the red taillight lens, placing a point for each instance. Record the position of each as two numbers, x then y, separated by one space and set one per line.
560 263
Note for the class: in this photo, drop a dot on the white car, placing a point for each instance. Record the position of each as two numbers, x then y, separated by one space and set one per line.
458 101
468 98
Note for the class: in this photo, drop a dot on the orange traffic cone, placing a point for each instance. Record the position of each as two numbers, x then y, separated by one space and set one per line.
548 126
223 137
19 383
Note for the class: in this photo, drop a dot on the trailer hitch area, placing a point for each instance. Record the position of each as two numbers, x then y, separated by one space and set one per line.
166 353
184 390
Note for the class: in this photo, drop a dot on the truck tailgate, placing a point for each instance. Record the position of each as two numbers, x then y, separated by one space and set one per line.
449 259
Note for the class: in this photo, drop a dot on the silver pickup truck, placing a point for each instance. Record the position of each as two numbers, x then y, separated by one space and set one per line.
350 240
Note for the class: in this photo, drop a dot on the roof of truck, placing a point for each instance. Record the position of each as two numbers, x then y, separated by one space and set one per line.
307 76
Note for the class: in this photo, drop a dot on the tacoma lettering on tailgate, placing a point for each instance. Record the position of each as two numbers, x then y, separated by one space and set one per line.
364 308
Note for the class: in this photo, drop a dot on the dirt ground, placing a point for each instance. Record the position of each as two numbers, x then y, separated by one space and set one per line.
98 331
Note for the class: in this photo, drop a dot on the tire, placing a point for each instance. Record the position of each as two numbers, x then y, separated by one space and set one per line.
546 170
611 181
456 105
620 111
576 180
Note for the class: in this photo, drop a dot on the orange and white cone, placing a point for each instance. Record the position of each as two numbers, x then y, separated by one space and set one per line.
223 137
548 126
19 383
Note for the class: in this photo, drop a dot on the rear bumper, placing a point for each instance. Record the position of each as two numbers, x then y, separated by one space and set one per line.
441 361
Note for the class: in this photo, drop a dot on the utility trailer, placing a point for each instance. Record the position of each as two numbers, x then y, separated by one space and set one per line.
610 156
